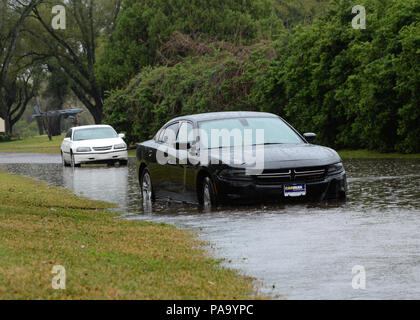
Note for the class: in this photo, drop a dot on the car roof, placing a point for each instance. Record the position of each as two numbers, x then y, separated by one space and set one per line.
92 127
224 115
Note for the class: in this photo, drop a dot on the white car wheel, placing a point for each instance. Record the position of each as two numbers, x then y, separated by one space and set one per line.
63 161
73 162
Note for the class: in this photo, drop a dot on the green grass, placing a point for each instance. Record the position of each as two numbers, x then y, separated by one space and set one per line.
366 154
37 144
132 153
104 257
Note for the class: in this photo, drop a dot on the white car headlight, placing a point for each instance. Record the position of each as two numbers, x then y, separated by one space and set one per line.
83 149
120 146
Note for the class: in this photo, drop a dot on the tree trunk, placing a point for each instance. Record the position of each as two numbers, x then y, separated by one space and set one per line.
98 112
9 126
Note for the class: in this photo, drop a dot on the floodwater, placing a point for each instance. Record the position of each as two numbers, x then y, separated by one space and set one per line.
296 251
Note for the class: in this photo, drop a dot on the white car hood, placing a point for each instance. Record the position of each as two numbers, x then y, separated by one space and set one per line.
97 143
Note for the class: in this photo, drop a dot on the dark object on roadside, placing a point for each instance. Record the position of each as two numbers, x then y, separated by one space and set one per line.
51 121
206 158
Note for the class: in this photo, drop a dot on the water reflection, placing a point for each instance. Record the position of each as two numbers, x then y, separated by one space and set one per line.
373 185
306 250
98 182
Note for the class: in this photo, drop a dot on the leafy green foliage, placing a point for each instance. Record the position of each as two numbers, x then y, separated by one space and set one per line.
144 26
295 12
217 82
407 66
5 137
354 88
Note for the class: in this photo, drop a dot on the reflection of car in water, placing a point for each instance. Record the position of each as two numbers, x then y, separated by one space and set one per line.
108 184
171 165
93 144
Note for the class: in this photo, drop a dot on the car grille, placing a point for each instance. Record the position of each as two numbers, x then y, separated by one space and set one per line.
291 175
102 148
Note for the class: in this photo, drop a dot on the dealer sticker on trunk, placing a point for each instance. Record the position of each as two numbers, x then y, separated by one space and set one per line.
295 190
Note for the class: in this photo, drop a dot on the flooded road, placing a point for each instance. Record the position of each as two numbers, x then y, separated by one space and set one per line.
297 251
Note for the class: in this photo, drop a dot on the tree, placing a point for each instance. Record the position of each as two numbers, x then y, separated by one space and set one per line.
57 88
74 49
217 81
13 17
20 90
295 12
144 26
355 88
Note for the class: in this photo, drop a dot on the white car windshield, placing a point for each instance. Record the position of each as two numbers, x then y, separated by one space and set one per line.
94 133
244 131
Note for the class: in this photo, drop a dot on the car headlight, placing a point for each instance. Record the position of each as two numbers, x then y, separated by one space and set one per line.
335 168
120 146
83 149
231 173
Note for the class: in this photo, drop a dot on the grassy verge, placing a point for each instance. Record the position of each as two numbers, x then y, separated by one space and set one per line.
104 257
132 153
37 144
366 154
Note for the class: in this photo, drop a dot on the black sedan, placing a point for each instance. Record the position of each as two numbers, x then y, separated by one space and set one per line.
215 158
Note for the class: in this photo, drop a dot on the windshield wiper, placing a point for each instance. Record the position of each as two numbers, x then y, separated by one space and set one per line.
248 145
267 143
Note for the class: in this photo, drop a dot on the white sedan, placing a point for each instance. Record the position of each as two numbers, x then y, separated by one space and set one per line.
93 144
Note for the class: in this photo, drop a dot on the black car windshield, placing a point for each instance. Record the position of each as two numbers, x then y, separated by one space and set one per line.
246 132
94 133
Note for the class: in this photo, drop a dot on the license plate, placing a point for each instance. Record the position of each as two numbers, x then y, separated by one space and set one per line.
295 190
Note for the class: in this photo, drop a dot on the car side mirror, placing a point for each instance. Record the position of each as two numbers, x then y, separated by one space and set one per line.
182 145
66 139
310 137
122 135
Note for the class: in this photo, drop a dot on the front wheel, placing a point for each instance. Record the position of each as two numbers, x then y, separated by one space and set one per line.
208 194
73 162
63 161
146 187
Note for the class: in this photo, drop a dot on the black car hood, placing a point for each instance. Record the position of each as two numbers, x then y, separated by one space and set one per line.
282 156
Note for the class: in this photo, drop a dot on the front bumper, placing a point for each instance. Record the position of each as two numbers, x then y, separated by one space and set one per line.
103 157
331 187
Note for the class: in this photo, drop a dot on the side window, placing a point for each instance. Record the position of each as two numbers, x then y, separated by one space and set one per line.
186 133
68 135
169 135
158 134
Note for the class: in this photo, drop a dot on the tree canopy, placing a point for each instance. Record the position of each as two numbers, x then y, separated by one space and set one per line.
139 62
144 26
355 88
